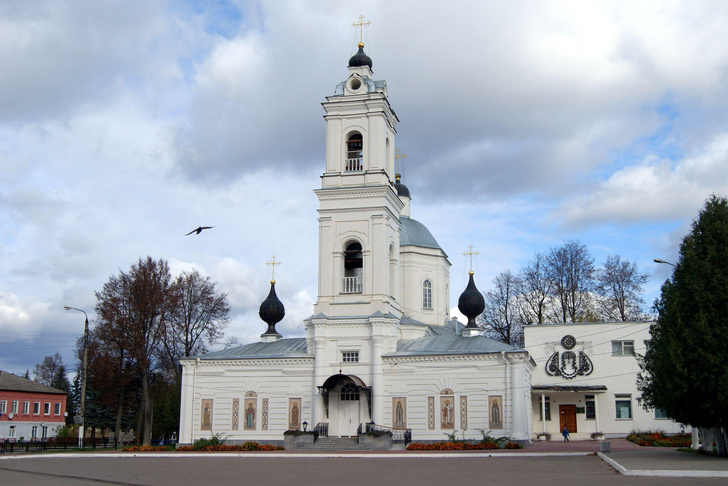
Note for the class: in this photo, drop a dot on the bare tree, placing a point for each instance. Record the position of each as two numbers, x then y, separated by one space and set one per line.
46 370
501 318
536 299
198 318
571 271
620 286
136 305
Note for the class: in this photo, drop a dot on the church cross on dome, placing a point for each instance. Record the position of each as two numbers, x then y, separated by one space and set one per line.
470 253
401 162
273 264
360 25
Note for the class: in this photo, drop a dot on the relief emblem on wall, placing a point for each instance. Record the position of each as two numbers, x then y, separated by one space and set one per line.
567 363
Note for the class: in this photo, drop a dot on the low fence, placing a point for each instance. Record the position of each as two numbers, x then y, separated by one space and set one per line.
11 446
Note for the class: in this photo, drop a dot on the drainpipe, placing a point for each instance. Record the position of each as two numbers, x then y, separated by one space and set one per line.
543 412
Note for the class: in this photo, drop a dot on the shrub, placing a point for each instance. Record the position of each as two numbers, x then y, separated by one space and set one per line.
513 445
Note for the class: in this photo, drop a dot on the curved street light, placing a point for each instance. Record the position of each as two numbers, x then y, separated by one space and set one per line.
659 260
83 381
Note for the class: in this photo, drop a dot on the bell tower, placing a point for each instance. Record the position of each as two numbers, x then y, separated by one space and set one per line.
358 204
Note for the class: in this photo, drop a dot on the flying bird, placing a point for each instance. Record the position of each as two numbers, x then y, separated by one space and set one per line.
199 229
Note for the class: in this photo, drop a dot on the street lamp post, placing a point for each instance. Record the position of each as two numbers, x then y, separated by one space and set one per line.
659 260
83 379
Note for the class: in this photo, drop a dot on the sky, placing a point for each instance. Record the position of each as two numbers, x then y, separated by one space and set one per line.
124 125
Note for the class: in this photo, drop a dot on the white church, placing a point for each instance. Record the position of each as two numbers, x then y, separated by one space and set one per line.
380 346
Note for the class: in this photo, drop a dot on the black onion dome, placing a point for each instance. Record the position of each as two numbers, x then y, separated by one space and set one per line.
271 310
360 59
402 190
471 302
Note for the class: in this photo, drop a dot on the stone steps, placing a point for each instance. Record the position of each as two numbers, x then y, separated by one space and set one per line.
337 444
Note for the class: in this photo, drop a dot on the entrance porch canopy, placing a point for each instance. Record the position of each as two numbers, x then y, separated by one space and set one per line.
334 380
569 389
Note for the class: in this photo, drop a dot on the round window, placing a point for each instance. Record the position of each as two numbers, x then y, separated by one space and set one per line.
355 84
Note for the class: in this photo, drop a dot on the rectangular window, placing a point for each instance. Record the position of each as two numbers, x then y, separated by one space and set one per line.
34 432
622 348
12 431
660 414
57 409
541 410
350 356
591 411
45 432
47 408
26 408
36 408
14 408
3 406
623 405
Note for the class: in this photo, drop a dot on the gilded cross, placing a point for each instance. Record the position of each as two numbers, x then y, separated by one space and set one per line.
273 264
400 156
470 253
361 24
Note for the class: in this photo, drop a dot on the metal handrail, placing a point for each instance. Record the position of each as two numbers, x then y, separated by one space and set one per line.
321 430
398 435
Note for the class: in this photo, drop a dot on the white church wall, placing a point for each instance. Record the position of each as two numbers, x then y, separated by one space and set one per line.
270 384
472 379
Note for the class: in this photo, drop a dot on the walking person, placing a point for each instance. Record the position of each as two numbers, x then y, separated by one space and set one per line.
565 433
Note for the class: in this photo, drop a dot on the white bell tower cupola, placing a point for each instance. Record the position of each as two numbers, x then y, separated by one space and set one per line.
360 129
358 204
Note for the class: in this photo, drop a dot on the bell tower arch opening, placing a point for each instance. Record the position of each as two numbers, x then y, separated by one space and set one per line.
354 153
353 269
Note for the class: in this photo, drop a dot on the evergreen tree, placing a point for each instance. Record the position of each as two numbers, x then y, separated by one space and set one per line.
684 368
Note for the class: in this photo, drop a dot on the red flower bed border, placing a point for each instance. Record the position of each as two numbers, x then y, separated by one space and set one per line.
460 446
658 439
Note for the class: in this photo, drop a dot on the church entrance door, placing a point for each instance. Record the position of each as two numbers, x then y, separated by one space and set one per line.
348 410
567 418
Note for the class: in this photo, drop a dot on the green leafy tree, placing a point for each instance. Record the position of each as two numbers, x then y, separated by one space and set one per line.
684 370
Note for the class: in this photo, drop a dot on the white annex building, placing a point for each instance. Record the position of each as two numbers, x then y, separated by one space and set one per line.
586 379
380 346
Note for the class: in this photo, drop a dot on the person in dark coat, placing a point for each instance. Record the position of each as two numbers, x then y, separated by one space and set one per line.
565 433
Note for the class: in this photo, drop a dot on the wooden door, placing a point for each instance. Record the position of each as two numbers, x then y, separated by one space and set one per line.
567 418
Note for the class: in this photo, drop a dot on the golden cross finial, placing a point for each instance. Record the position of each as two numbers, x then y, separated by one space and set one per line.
361 24
399 156
273 264
470 253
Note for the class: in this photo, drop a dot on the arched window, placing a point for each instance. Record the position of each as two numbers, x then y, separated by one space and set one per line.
349 392
354 153
353 268
427 294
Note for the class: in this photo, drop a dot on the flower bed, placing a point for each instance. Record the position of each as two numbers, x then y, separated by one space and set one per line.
451 446
147 448
245 446
658 439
